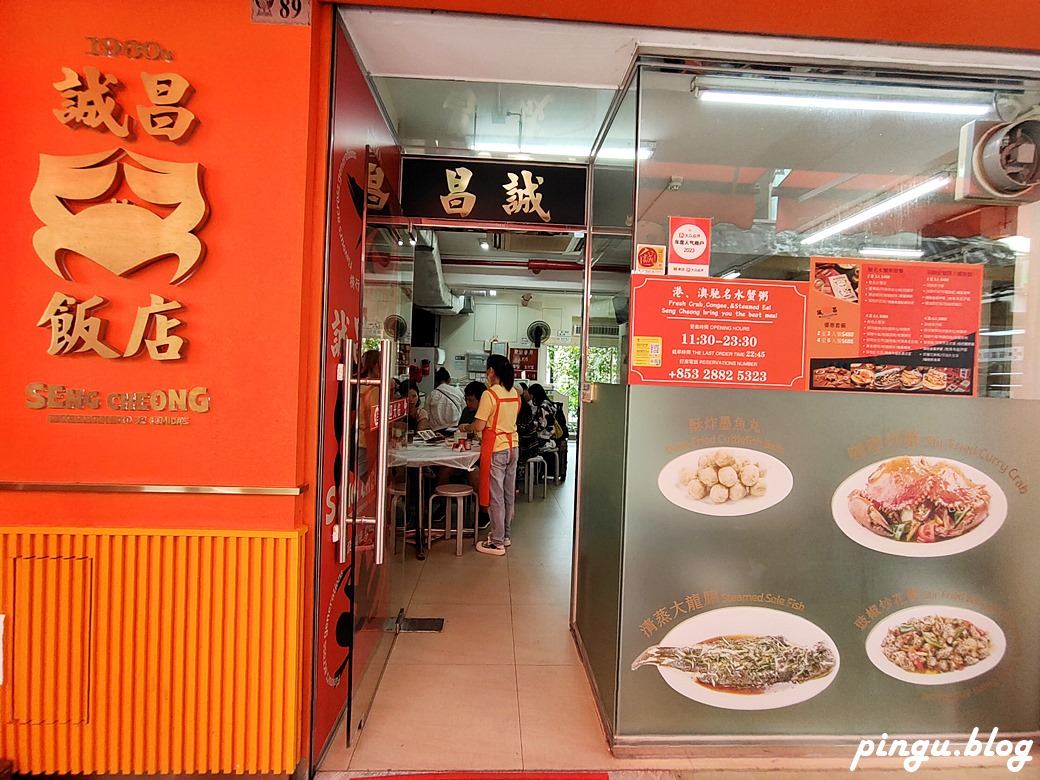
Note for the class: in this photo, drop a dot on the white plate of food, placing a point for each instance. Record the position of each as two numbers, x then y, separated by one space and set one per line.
935 645
919 506
745 658
725 481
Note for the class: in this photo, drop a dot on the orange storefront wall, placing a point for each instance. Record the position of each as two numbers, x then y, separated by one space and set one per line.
243 306
176 592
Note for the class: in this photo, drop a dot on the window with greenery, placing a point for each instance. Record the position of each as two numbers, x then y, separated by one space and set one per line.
565 371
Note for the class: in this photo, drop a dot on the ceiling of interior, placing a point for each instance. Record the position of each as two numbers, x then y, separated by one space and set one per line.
494 120
472 85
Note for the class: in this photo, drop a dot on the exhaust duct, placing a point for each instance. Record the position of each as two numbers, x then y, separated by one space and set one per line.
429 291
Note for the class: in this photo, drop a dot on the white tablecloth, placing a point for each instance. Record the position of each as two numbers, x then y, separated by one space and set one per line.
415 455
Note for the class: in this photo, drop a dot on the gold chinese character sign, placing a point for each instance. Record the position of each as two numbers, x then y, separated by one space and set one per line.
493 191
118 235
89 101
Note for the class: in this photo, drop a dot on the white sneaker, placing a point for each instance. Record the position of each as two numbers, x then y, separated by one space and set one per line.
490 548
507 542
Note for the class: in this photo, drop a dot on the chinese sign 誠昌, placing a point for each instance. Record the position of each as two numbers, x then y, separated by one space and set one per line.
486 191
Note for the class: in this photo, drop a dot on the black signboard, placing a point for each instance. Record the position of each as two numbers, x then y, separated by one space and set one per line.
491 191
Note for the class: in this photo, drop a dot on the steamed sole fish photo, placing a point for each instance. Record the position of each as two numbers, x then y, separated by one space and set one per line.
742 658
747 664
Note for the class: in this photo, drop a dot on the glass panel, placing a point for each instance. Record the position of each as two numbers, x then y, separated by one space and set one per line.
613 192
847 164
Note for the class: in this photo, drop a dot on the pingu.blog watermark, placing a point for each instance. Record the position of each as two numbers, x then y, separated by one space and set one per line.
916 752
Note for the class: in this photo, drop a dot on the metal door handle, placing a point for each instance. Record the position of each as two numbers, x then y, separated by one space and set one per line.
346 448
386 354
382 449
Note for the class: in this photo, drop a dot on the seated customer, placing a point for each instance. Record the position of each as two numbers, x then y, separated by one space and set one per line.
473 392
445 403
445 474
418 418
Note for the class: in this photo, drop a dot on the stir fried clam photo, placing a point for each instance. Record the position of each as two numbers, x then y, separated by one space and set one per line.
935 644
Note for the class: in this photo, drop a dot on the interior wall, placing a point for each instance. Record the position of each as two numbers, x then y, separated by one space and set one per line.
506 318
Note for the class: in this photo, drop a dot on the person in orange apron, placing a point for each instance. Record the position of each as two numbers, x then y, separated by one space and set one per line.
499 452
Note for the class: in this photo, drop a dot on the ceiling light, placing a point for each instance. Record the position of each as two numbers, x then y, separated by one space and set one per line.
485 149
624 154
883 251
878 209
484 244
579 234
400 241
492 293
411 240
1017 244
730 274
847 103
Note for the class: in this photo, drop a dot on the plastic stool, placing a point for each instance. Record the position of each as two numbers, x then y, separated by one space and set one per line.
532 469
458 493
398 491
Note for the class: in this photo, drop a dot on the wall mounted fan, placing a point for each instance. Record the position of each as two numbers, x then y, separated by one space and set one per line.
395 327
539 332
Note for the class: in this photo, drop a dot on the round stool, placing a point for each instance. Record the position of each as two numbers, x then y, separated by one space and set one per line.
457 493
535 466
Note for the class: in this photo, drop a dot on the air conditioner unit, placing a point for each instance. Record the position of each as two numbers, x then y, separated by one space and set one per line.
999 162
598 327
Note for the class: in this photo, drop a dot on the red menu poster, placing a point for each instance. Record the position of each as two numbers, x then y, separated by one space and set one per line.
525 361
891 326
717 333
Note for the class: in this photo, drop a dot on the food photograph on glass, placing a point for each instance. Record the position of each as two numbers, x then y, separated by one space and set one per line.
919 507
725 481
935 645
745 658
843 375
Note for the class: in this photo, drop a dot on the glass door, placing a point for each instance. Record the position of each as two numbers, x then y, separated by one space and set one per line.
378 527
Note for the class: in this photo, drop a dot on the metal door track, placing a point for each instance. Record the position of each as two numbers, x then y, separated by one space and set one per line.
422 624
402 624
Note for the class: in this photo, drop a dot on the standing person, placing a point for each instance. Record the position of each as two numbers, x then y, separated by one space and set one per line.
561 433
526 429
544 413
445 403
499 453
368 400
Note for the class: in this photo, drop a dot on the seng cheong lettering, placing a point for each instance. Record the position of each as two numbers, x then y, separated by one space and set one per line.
39 395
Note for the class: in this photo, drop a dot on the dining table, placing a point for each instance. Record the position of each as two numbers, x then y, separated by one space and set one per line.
418 454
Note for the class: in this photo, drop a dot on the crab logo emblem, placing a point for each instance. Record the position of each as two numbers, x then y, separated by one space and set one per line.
119 235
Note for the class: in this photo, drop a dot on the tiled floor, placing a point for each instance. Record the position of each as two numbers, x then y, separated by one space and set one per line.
502 687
